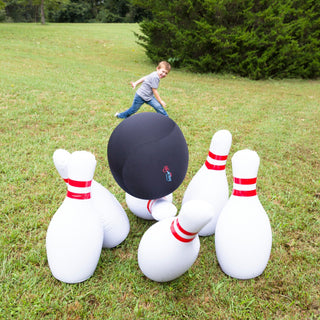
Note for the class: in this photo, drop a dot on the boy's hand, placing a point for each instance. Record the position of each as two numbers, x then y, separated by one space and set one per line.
163 103
133 84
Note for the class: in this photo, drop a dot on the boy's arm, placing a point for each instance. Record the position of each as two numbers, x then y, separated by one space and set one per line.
134 84
156 94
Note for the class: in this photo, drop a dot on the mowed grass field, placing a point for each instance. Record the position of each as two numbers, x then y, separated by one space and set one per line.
60 86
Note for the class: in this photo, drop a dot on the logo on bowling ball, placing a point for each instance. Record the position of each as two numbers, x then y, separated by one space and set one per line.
167 172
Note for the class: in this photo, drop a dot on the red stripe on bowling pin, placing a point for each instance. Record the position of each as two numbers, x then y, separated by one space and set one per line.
149 205
79 184
81 194
244 187
245 181
181 234
218 158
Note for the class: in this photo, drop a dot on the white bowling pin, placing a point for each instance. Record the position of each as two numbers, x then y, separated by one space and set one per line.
114 219
156 209
243 237
74 236
171 246
210 182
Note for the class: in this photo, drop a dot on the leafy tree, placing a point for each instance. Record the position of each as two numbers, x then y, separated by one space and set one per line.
20 10
2 11
121 11
71 11
30 10
252 38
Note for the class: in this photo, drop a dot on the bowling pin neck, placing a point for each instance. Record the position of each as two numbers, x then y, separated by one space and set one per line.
179 233
215 161
244 187
80 190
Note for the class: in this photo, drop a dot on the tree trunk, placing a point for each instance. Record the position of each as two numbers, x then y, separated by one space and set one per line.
43 21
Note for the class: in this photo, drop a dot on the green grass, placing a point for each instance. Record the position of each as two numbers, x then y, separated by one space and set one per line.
60 85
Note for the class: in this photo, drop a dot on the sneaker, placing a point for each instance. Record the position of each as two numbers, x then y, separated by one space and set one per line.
116 114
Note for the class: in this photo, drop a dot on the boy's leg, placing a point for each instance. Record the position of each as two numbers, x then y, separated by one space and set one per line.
155 104
136 104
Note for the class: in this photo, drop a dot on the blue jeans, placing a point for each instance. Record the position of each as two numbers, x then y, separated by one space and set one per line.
138 102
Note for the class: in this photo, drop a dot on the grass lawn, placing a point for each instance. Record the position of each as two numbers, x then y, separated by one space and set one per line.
60 85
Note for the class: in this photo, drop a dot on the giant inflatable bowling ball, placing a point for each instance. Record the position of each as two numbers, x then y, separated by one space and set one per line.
148 155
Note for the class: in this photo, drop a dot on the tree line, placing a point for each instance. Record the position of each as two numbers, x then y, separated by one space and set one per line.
74 11
258 39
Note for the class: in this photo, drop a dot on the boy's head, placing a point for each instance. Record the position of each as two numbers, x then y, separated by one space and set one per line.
163 69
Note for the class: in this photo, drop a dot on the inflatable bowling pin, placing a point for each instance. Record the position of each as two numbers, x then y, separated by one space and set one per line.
171 246
114 219
157 209
243 237
74 236
210 182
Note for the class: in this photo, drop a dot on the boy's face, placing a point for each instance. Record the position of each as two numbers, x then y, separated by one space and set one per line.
162 72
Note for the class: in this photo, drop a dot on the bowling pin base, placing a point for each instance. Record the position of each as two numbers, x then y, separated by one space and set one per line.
243 239
74 242
165 263
70 280
171 246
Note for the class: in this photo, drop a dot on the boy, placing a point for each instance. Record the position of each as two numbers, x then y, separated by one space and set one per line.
148 92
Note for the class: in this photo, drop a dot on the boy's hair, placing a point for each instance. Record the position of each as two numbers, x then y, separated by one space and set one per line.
164 64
